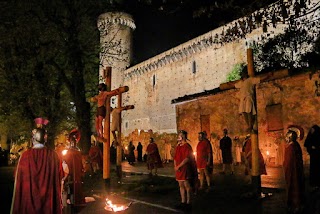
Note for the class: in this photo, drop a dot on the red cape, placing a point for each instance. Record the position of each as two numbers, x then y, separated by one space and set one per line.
153 159
37 183
73 159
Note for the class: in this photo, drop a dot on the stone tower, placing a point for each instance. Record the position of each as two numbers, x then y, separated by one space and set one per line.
116 44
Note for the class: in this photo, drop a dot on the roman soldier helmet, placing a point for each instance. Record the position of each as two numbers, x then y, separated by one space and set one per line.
298 130
40 122
74 136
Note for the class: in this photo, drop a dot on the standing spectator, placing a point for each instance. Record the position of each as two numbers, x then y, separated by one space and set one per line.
217 156
293 171
153 157
95 156
238 148
167 152
185 169
226 149
312 144
210 166
203 159
131 157
139 148
38 177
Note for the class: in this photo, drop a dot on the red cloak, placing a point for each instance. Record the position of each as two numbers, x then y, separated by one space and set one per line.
73 159
294 175
153 159
37 183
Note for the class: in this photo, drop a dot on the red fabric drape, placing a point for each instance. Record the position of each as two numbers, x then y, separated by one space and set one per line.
37 183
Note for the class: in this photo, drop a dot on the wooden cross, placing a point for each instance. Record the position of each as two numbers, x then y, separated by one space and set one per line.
106 134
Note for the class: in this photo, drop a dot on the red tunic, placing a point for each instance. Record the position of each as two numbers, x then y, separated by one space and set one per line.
189 170
37 186
203 153
153 159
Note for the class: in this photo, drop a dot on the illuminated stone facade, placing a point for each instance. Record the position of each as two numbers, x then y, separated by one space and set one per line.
196 66
297 97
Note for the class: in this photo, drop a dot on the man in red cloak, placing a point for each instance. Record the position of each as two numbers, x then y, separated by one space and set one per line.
204 153
186 170
73 160
37 181
153 157
293 172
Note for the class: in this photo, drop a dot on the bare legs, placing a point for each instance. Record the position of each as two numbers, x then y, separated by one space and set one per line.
204 173
185 190
99 127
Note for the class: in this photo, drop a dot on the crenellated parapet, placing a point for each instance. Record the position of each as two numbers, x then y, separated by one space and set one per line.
268 21
115 43
175 54
114 18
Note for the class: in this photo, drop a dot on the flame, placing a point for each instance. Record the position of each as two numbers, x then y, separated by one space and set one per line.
268 153
64 152
195 153
114 207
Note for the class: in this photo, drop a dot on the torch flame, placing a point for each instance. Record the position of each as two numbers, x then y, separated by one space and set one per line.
64 152
268 153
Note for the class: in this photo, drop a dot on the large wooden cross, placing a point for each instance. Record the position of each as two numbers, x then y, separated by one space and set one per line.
255 171
106 133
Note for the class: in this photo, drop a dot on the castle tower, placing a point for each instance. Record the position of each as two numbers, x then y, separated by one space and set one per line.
116 44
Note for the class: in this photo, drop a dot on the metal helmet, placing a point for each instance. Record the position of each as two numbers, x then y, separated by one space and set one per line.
74 137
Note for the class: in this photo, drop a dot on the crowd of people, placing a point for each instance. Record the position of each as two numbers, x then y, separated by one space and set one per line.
193 170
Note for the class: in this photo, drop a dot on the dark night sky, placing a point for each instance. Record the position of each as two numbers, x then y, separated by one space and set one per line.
156 32
159 30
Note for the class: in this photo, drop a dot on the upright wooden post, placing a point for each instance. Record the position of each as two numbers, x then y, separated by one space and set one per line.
255 172
106 131
119 145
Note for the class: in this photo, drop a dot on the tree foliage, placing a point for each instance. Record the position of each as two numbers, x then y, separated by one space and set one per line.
49 62
296 48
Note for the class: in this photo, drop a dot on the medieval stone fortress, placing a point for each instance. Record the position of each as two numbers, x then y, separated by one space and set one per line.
177 89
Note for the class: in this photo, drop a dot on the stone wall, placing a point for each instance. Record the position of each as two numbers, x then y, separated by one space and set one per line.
196 66
296 101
